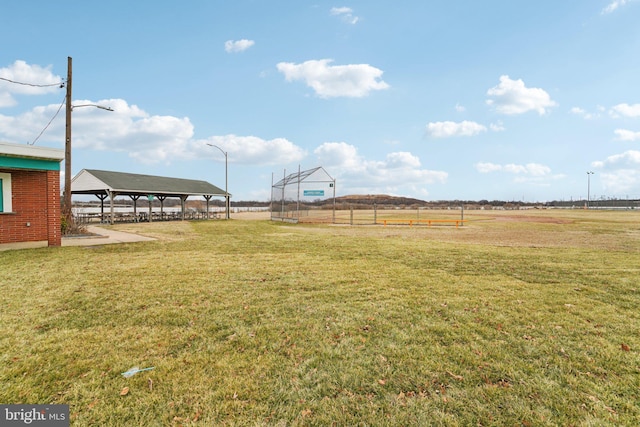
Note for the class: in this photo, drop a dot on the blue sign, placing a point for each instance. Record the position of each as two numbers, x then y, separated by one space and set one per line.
314 192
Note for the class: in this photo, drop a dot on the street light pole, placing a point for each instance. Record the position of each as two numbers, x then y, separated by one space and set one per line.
589 173
226 179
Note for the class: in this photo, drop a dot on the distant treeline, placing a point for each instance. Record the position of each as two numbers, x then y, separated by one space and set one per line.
384 201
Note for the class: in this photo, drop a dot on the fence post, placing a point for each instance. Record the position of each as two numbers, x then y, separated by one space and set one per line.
351 208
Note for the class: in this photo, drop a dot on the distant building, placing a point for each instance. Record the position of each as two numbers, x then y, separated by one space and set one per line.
29 196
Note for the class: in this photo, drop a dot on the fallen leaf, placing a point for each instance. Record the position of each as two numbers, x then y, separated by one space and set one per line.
150 382
625 347
124 391
457 377
92 404
306 412
382 382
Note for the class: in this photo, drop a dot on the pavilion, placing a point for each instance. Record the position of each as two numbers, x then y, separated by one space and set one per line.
108 184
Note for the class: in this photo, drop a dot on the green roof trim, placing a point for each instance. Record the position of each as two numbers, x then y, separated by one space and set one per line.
29 163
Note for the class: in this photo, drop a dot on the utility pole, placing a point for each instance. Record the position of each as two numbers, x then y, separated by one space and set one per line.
66 204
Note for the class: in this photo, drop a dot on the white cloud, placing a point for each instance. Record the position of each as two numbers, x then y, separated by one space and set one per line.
625 110
340 10
402 159
484 167
233 46
497 127
22 72
513 97
585 114
144 137
621 182
399 170
346 13
532 169
252 149
620 173
531 173
629 158
449 129
615 4
460 108
329 81
338 154
581 112
627 135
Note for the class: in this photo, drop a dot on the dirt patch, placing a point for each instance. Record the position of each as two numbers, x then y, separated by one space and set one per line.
537 219
251 215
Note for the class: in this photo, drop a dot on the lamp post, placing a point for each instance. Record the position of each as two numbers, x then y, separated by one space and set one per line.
66 205
226 179
589 173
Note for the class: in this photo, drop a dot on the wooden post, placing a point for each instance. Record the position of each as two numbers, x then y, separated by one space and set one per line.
66 205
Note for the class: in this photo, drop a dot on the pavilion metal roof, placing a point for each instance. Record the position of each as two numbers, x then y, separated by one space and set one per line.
93 181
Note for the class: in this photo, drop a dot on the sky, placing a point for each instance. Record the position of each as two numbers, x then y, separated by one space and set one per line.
431 99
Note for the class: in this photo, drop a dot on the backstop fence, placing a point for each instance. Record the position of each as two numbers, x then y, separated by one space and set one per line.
295 195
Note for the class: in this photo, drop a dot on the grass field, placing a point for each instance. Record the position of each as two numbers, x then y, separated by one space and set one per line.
518 318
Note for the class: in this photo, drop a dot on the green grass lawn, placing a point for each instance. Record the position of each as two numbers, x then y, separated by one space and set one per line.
501 322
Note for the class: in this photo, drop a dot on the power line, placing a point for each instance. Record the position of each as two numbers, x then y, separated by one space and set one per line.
52 118
61 84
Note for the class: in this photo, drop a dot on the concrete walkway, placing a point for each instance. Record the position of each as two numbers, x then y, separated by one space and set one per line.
103 236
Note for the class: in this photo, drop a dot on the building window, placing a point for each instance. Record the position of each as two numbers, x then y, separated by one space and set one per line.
5 192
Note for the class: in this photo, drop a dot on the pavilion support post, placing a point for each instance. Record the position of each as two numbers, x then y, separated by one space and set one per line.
161 198
102 197
183 202
112 196
207 198
135 198
150 199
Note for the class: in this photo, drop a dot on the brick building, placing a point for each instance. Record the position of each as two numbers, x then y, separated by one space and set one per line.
29 196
